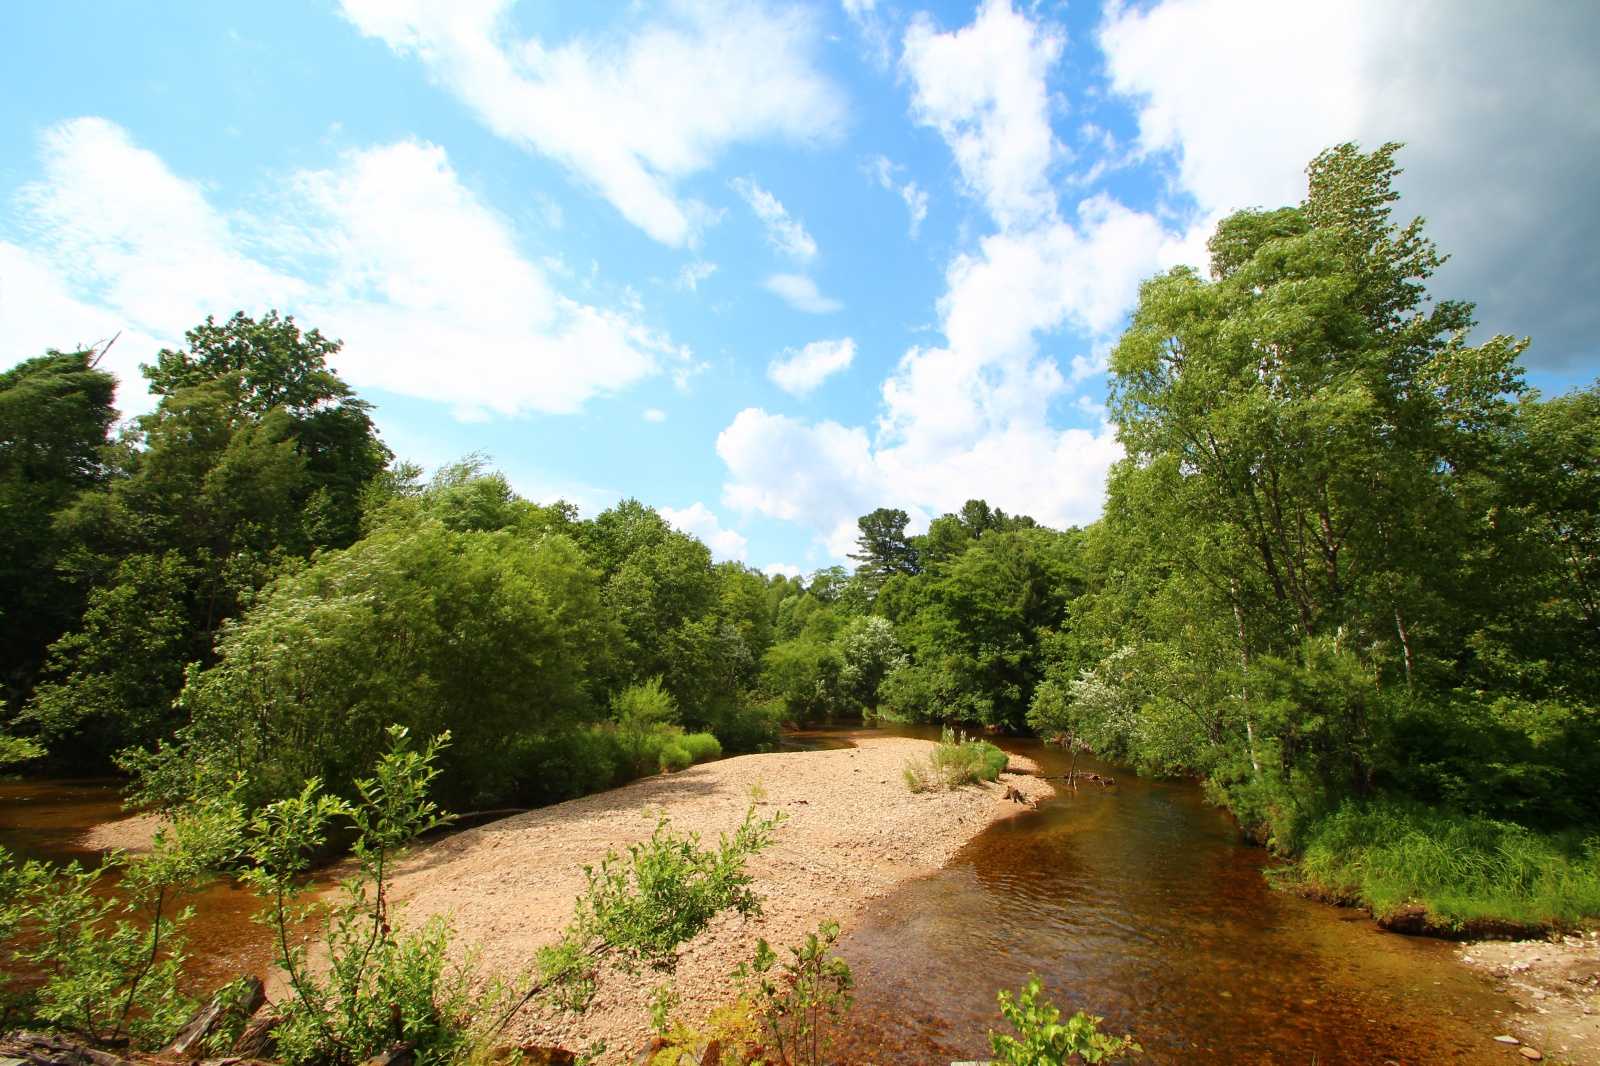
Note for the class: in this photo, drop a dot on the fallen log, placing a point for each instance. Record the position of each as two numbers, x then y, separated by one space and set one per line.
54 1049
191 1039
260 1037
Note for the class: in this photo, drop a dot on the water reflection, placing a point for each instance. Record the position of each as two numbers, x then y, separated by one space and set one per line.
1138 903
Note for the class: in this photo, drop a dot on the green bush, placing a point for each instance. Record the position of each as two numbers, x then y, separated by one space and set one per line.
380 985
747 726
702 747
1044 1040
669 888
798 1002
674 756
105 965
957 760
1462 868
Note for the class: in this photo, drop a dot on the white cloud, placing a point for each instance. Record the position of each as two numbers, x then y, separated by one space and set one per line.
387 250
1490 161
785 569
630 115
802 294
784 231
916 200
692 274
700 521
821 474
983 88
654 414
799 372
972 417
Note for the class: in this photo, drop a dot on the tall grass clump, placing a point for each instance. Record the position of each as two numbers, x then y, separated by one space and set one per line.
957 760
1462 868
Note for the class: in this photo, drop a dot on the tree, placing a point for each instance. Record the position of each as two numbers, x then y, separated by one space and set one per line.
55 415
883 548
256 456
1305 433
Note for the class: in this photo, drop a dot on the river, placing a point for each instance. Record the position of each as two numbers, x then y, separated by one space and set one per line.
1135 902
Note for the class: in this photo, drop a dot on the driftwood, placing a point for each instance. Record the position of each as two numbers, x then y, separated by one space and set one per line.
260 1037
53 1049
1015 796
191 1039
1084 775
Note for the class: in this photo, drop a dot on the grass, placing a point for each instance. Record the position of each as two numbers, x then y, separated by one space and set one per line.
957 760
1464 870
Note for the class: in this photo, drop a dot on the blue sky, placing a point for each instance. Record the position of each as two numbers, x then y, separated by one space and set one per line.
765 266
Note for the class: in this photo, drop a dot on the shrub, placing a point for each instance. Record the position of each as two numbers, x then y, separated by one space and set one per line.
702 747
799 1001
380 986
957 760
110 963
669 888
745 727
1043 1040
1459 867
675 756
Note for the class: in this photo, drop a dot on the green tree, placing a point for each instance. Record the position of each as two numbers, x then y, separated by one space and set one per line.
257 455
883 547
55 415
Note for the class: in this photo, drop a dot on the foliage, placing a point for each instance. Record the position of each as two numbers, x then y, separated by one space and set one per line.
730 1036
1044 1040
256 455
957 760
482 634
1460 868
55 417
110 960
381 986
975 627
639 909
669 888
799 1001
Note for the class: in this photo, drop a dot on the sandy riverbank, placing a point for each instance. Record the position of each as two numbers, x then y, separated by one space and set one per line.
1556 982
854 832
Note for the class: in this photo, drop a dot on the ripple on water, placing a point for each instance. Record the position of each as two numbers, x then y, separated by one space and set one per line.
1140 904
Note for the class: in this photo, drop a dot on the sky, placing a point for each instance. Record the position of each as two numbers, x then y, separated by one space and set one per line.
764 266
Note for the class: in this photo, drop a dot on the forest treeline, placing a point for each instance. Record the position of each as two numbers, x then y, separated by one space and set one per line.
1348 573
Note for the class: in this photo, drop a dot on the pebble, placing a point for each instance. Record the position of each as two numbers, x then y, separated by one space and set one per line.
1529 1053
1505 1039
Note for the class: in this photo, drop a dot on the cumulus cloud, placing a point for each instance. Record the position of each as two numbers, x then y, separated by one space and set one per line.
784 231
698 520
629 115
983 88
1490 159
802 294
972 417
388 250
654 414
785 569
799 372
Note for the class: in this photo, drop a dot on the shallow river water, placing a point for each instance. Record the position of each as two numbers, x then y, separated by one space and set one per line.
1136 902
1139 903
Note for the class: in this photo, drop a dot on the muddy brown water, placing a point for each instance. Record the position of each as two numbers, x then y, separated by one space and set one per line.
1138 903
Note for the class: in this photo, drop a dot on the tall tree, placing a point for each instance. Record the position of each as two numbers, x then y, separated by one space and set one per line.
883 548
55 414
